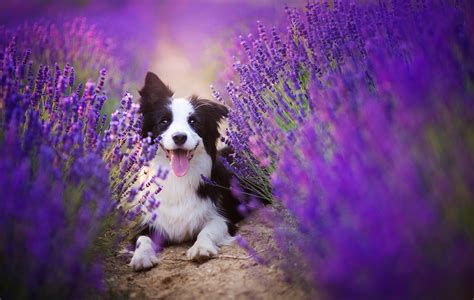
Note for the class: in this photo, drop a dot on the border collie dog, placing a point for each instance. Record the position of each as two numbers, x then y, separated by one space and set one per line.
190 209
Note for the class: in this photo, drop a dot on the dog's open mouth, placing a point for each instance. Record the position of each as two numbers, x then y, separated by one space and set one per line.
179 160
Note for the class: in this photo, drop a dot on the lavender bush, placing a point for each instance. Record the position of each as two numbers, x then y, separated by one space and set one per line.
363 115
386 209
279 67
62 171
71 41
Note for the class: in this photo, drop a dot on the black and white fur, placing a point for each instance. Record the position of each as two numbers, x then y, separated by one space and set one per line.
190 209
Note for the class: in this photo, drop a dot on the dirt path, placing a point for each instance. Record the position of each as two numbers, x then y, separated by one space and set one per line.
232 275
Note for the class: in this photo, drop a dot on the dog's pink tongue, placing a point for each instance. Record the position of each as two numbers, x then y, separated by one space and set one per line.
179 162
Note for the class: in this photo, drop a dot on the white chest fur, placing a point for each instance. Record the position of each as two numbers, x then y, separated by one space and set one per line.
181 214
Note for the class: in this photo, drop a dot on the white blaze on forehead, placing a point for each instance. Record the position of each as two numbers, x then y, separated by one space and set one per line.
181 109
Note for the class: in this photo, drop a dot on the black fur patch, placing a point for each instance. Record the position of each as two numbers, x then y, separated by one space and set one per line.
221 194
154 105
206 118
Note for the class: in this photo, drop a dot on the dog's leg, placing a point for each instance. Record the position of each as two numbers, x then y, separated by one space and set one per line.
213 235
144 256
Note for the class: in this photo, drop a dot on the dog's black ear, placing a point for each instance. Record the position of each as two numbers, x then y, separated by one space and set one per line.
219 110
154 91
211 109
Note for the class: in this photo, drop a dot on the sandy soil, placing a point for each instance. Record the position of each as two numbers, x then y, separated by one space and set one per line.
231 275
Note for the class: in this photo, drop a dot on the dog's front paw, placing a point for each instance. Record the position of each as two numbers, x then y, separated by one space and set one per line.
202 250
144 256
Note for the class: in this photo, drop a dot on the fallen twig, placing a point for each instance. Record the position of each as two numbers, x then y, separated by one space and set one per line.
224 256
241 257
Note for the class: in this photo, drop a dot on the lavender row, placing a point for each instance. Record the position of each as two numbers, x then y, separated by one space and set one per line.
361 115
63 170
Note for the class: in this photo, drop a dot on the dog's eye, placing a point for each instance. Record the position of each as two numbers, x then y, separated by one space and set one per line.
192 120
164 122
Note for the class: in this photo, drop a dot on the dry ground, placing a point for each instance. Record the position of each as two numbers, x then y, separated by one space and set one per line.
232 275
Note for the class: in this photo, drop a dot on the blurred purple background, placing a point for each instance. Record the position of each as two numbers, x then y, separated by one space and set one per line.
186 42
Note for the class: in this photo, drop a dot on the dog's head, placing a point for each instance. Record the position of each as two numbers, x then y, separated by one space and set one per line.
187 126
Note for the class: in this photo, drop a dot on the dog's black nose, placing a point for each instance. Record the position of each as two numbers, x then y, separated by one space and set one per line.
179 138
